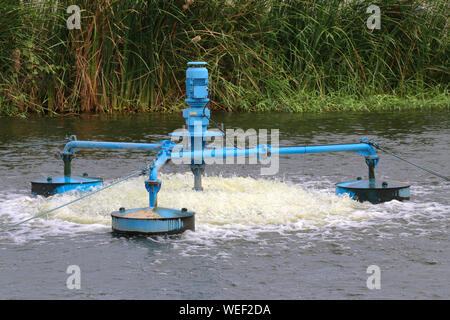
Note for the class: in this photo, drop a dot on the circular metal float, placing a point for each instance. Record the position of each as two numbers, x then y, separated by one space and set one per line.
374 192
153 221
59 184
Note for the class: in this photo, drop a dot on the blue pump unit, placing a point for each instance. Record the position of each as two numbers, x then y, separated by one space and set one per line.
157 220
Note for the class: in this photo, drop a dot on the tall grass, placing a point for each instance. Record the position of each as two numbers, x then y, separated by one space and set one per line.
291 55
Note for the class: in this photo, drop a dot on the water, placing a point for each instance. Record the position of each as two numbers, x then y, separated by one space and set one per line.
279 237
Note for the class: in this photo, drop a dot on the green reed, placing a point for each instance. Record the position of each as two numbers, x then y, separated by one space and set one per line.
265 55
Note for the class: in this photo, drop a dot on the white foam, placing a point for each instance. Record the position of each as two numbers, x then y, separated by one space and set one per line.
226 209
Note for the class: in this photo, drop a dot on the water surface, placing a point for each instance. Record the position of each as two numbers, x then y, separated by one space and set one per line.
258 237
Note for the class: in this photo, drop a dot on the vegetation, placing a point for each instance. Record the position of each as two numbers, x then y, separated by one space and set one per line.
263 55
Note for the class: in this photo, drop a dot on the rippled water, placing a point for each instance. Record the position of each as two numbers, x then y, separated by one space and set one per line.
286 236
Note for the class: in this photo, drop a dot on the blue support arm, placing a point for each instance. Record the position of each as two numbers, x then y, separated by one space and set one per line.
363 148
220 153
153 185
74 146
360 148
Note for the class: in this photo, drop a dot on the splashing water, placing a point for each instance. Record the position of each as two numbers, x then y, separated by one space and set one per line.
235 204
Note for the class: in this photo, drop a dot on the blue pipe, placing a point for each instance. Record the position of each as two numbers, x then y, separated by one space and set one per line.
220 153
72 146
153 185
160 160
360 148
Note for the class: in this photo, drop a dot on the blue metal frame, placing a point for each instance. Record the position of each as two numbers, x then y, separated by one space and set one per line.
197 117
197 121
